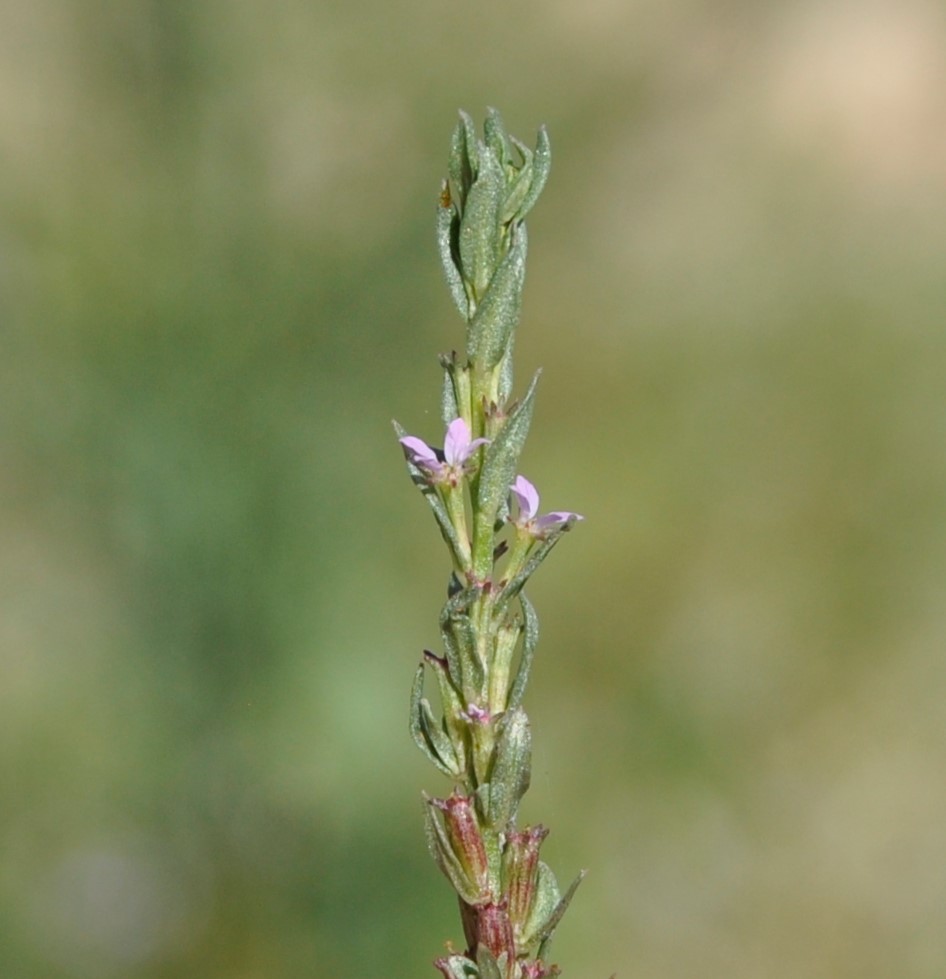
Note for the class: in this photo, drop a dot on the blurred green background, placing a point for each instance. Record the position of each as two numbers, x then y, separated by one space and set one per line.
218 284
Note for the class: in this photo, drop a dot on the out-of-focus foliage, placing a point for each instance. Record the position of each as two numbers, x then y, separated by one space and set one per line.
219 281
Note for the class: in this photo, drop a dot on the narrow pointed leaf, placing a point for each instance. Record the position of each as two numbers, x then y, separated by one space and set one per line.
512 770
452 709
447 226
494 133
548 930
530 638
466 668
464 159
496 476
547 897
519 186
479 225
424 730
541 164
448 398
497 314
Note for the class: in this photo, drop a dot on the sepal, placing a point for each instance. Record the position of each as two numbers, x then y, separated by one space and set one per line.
488 966
457 967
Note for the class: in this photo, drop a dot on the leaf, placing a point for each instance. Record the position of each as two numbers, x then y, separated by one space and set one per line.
494 133
556 916
497 314
427 734
479 225
496 476
449 409
452 708
448 224
466 668
541 164
529 640
512 769
519 186
464 159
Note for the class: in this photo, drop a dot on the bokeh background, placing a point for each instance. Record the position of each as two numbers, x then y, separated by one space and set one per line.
218 284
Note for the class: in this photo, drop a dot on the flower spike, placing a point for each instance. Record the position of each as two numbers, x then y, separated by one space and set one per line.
510 902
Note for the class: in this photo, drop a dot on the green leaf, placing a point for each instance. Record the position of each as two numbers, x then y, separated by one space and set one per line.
464 159
519 186
541 164
545 936
427 734
467 671
494 133
505 371
529 640
479 238
546 899
448 225
512 769
496 476
452 709
449 409
497 315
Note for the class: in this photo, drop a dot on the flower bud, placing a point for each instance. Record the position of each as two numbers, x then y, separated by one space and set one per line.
494 930
520 869
463 831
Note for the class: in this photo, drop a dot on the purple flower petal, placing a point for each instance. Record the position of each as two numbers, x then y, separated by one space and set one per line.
457 446
527 496
420 453
557 518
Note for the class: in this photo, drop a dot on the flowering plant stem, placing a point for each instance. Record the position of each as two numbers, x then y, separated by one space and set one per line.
510 902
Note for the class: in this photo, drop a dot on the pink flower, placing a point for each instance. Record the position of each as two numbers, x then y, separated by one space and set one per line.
527 496
450 464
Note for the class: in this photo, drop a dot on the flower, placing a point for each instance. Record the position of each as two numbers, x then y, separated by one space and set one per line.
527 496
450 464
